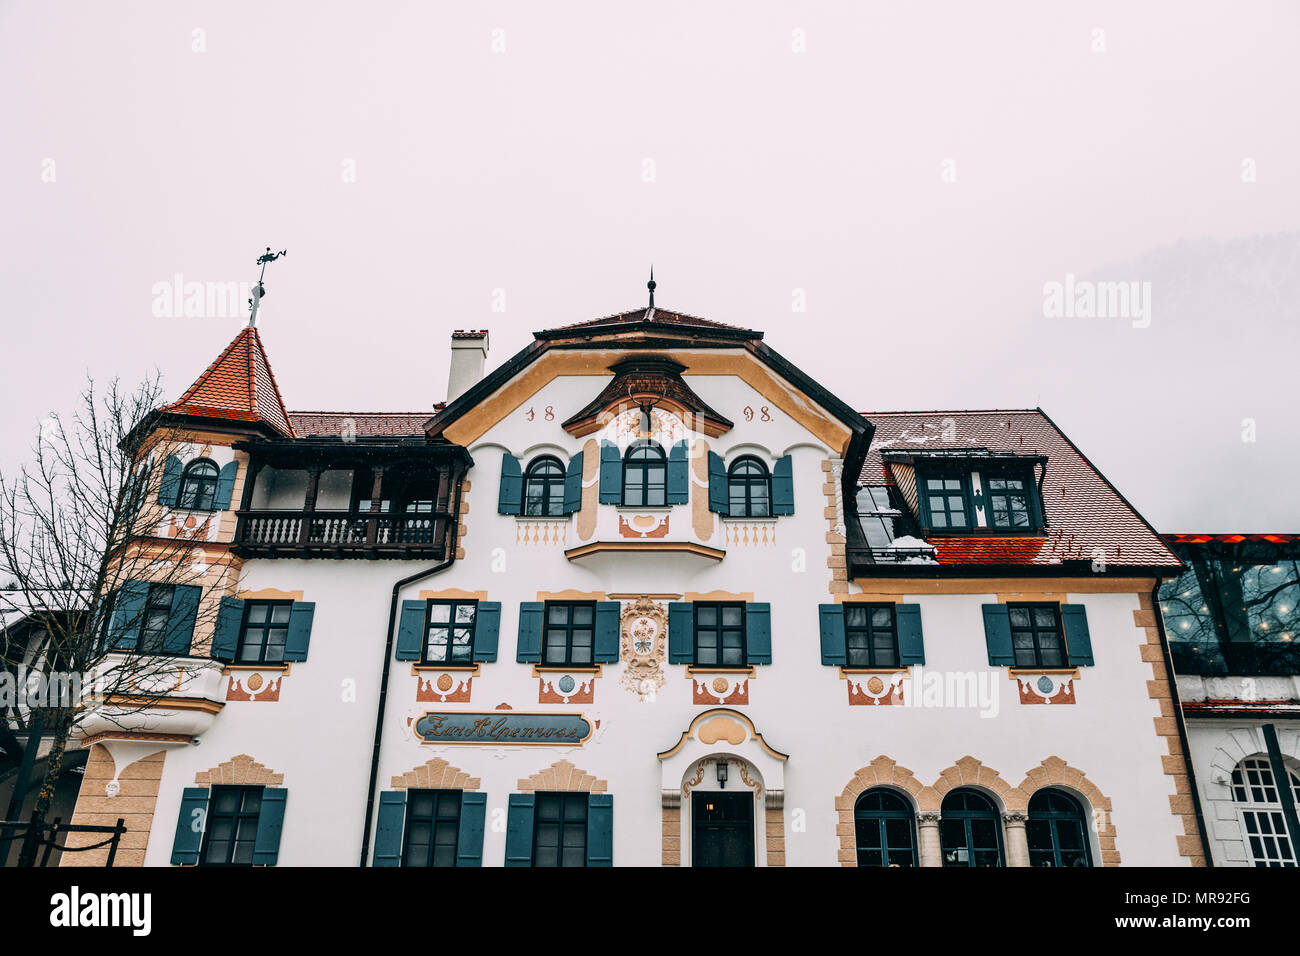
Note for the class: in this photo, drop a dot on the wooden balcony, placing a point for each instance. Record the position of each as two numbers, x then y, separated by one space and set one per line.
342 534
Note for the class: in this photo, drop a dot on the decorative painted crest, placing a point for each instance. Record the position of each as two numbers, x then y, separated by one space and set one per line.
645 632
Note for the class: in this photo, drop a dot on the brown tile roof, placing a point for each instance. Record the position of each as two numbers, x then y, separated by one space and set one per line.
238 386
366 424
1084 511
661 316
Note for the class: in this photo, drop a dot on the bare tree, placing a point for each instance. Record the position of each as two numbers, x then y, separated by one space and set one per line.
111 587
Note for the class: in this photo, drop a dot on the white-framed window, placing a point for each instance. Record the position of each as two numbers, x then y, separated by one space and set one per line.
1263 825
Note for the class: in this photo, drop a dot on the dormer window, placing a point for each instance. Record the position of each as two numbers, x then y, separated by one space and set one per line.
1009 503
946 500
974 493
645 476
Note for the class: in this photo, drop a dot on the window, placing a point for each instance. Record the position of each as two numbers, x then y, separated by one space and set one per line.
870 635
750 489
1036 635
970 831
877 516
570 631
719 635
449 632
945 498
231 828
432 828
544 488
645 476
560 830
1056 830
199 486
1254 790
153 622
264 632
886 834
1009 505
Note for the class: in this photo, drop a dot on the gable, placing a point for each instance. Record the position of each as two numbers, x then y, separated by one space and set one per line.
705 372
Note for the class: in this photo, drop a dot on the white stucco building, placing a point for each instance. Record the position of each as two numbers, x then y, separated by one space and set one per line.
645 594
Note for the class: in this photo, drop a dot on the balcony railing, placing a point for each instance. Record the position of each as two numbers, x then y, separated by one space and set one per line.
341 534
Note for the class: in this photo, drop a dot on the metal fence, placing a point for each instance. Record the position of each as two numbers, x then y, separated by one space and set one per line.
15 831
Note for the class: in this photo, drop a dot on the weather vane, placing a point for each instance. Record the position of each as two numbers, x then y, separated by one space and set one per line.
259 290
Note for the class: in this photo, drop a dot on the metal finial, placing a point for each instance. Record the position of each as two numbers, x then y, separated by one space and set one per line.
259 290
651 286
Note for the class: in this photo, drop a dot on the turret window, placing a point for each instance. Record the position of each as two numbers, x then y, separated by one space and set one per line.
199 486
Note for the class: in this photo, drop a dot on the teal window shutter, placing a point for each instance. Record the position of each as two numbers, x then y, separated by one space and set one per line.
611 474
679 474
600 829
1078 642
681 633
388 828
225 485
189 826
410 631
180 621
469 840
270 821
783 486
510 497
169 489
997 635
758 633
911 643
487 630
128 609
573 485
225 638
834 647
519 830
719 494
528 646
607 632
300 620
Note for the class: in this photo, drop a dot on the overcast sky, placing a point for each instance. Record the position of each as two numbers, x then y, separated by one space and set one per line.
911 176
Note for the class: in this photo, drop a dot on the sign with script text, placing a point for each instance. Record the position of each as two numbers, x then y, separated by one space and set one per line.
504 729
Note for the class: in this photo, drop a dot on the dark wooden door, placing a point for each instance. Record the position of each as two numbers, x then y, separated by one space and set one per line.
722 829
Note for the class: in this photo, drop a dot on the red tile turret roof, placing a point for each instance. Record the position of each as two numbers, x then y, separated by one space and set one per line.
239 386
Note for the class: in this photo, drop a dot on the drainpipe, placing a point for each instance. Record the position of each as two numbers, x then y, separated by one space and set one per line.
1182 724
388 659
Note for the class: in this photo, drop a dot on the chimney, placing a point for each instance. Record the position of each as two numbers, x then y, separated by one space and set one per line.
468 358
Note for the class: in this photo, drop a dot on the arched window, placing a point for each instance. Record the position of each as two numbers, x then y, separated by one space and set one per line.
1057 830
544 488
886 830
198 485
645 476
1254 790
970 831
750 488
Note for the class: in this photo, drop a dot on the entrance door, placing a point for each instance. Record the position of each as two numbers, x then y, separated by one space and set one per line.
722 827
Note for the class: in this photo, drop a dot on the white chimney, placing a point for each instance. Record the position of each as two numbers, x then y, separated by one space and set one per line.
468 357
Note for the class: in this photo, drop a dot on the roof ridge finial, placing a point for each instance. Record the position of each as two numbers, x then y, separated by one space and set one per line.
651 286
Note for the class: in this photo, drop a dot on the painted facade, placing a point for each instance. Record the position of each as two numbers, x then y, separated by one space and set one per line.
838 677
